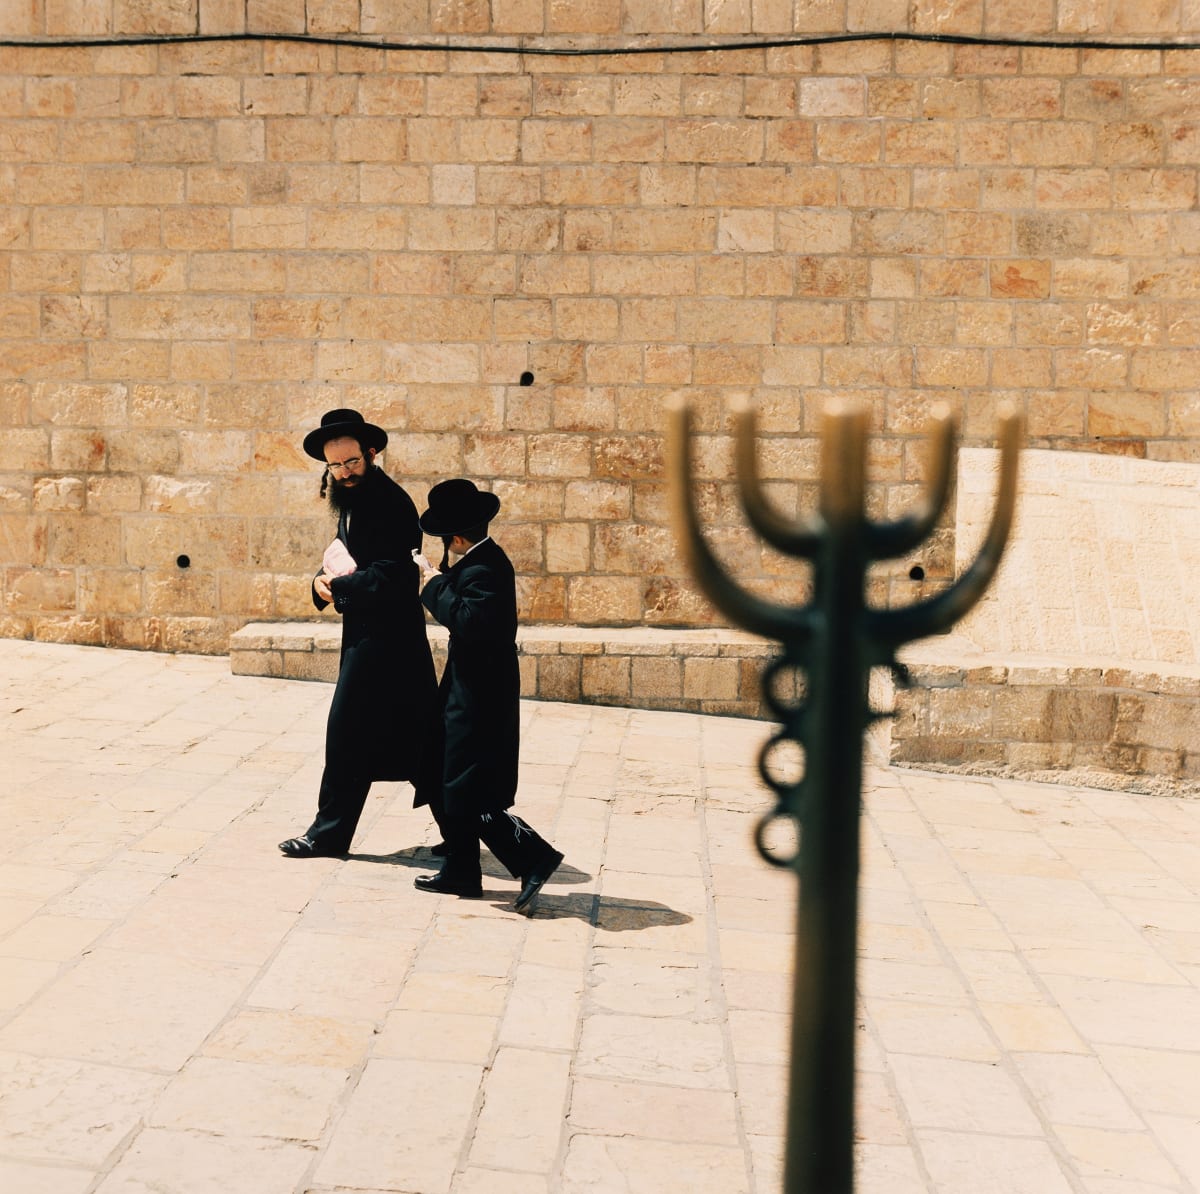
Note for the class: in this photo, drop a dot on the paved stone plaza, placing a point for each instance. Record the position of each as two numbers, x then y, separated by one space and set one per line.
182 1010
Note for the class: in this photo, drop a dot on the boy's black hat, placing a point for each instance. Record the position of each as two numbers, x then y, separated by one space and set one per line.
457 505
335 424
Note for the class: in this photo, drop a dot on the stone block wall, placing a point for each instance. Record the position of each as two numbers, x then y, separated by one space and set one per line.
1103 560
711 671
1047 717
511 260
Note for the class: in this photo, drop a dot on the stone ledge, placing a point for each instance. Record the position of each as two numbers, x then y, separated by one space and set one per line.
1076 719
1069 719
695 671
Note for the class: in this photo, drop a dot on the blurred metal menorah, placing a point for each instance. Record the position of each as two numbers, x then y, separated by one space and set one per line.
834 640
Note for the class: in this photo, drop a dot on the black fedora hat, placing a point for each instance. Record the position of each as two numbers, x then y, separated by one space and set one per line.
457 505
335 424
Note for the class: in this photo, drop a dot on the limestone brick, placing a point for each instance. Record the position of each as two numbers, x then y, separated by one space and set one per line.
606 677
657 679
541 599
110 591
58 493
42 590
113 493
599 600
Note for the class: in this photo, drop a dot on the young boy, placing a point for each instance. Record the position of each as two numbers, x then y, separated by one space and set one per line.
480 692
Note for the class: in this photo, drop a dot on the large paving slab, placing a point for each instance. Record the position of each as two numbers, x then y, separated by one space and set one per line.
185 1011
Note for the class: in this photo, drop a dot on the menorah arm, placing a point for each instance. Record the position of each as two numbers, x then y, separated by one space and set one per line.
889 628
741 607
794 538
887 540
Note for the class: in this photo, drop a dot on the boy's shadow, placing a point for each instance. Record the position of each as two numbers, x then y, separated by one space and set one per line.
605 912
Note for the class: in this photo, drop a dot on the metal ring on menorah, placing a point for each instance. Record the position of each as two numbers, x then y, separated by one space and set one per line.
763 824
788 800
789 713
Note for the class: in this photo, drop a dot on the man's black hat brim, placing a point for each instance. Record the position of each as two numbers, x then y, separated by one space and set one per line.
339 423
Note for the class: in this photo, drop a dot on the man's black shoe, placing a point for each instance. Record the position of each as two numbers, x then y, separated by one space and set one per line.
300 847
467 888
533 882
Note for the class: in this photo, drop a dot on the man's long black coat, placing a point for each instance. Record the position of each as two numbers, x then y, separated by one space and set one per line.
480 691
386 694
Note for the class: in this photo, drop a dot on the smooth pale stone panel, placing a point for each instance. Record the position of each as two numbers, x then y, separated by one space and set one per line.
1085 957
1156 1080
21 979
998 976
201 1164
490 1181
437 1036
52 938
69 1111
762 1097
327 975
1166 1017
543 1008
642 1048
290 1038
392 1130
648 1110
985 1164
472 944
760 1036
887 1169
769 953
931 1029
439 991
20 879
206 930
275 883
653 984
878 1114
245 1098
636 1166
1179 1137
1122 1156
1076 1091
129 1009
14 911
18 1177
966 1096
902 980
563 941
756 991
524 1103
109 894
1032 1028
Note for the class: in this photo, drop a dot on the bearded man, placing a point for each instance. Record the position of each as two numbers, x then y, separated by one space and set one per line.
380 722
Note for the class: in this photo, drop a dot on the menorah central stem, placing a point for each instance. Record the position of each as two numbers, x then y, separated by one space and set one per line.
819 1157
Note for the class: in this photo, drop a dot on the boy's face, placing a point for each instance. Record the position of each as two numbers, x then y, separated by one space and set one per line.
458 545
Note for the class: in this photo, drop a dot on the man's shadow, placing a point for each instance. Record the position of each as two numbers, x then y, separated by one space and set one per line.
605 912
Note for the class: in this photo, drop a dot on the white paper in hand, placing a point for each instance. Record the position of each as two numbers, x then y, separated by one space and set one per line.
337 561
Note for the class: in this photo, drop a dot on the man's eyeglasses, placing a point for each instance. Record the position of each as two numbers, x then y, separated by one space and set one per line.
349 465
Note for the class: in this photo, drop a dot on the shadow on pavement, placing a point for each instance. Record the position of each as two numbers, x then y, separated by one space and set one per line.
605 912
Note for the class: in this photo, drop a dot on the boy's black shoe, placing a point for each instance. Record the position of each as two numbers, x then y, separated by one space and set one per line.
532 883
464 886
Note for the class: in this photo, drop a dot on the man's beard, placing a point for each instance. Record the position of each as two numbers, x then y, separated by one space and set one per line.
343 497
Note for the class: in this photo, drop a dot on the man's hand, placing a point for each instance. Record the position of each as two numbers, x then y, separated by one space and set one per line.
321 586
